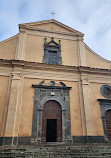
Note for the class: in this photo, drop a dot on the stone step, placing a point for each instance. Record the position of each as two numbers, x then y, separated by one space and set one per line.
56 155
57 151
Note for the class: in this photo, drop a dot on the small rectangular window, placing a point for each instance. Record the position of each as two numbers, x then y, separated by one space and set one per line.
52 57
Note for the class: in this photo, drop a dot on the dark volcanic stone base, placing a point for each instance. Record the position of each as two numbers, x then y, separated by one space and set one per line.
88 139
15 140
27 140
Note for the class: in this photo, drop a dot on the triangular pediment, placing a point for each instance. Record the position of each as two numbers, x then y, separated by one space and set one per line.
52 25
51 43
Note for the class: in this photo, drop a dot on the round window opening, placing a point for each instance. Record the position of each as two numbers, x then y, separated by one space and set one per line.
106 91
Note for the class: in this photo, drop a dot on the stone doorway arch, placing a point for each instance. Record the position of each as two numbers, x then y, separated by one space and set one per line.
43 94
52 122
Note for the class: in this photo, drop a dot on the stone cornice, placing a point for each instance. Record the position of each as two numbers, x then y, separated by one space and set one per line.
90 70
51 87
63 68
51 21
23 28
55 35
104 101
5 62
32 26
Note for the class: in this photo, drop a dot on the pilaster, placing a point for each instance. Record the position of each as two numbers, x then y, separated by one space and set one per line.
83 121
87 104
20 52
81 52
13 116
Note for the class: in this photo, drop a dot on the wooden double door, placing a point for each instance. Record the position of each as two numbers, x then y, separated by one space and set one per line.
52 122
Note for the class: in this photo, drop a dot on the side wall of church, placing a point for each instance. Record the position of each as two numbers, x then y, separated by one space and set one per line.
95 61
8 48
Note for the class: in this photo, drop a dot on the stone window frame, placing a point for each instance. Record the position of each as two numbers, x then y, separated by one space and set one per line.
102 91
52 46
105 105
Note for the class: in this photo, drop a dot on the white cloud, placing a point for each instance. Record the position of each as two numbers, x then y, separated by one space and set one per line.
90 17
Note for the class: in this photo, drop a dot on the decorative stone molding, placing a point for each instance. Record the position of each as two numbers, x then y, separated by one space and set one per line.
16 76
42 94
52 46
84 78
85 81
106 91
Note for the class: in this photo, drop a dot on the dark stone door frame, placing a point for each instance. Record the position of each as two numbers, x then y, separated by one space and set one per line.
42 94
105 105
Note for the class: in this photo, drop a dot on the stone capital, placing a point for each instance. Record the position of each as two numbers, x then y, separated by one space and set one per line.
80 38
84 79
16 75
85 82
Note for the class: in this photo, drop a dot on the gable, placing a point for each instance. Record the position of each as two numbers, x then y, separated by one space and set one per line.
52 25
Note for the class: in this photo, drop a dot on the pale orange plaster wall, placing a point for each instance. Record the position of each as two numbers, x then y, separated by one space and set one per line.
76 126
4 81
8 48
35 50
25 126
69 53
95 61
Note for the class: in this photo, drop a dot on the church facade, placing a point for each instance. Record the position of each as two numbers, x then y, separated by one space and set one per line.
54 88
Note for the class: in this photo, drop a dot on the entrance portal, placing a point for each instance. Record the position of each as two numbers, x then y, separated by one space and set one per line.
52 122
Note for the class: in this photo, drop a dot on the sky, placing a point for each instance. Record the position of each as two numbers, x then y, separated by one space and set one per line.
91 17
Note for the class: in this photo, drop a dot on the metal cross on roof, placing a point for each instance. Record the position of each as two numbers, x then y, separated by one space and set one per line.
52 14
